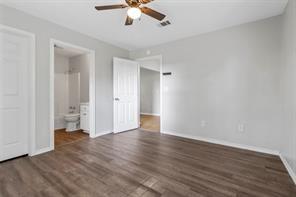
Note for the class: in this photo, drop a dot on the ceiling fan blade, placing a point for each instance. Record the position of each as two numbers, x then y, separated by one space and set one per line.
129 21
145 1
153 13
110 7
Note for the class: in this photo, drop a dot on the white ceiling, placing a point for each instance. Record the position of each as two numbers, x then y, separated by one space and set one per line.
188 18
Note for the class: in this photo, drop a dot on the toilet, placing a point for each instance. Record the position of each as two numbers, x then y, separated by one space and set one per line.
72 122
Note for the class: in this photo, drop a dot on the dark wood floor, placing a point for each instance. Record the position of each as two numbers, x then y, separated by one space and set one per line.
140 163
150 123
61 137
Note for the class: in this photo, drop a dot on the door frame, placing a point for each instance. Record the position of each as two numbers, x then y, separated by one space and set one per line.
159 57
92 88
32 85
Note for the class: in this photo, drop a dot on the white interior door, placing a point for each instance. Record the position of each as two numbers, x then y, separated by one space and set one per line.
125 81
14 88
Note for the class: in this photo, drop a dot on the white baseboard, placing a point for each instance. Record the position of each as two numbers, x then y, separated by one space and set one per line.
41 151
150 114
288 167
59 128
241 146
48 149
225 143
210 140
101 133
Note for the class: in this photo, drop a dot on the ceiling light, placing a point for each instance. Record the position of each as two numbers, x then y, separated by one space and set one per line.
134 13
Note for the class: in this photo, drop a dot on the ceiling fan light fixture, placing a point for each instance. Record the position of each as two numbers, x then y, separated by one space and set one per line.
134 13
135 9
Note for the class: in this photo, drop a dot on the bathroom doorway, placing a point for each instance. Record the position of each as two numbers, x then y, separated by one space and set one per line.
72 93
150 93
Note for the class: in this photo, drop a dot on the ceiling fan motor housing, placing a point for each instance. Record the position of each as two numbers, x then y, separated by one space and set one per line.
133 3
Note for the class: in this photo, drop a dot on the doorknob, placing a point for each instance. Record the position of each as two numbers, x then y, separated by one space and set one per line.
116 99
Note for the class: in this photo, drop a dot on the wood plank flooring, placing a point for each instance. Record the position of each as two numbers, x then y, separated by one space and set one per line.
150 123
61 137
140 163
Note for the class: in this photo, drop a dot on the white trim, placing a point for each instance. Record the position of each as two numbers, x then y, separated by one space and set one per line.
51 95
139 95
225 143
240 146
33 98
92 94
102 133
149 114
32 86
289 168
41 151
161 86
92 88
55 129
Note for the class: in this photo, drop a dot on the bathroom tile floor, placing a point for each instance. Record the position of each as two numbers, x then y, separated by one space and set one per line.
61 137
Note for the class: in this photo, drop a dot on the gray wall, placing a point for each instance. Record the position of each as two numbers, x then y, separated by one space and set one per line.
225 78
150 91
288 137
45 30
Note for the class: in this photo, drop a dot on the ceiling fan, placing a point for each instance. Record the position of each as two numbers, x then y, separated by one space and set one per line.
135 10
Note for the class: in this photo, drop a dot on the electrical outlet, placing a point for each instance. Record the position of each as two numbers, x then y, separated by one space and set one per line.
203 123
241 128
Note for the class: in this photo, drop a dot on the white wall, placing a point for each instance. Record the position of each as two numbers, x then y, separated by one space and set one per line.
152 64
288 136
44 31
80 64
226 78
61 90
74 92
71 85
150 91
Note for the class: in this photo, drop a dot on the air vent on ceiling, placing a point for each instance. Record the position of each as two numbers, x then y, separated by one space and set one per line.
164 23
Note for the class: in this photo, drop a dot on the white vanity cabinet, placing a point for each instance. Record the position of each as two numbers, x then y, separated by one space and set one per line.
84 117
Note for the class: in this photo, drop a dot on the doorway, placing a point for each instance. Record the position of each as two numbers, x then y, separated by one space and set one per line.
129 108
150 93
72 93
